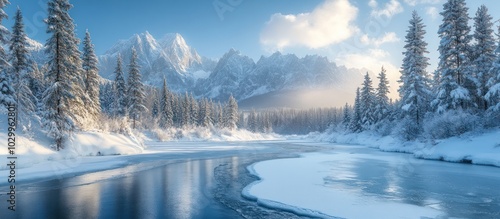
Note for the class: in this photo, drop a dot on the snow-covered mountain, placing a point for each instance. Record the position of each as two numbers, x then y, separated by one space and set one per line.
277 77
169 57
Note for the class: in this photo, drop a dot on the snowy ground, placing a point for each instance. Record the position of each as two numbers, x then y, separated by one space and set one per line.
477 148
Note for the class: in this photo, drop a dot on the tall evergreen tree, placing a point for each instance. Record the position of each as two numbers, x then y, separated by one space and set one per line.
347 116
493 85
206 114
120 90
166 113
136 95
91 77
64 108
382 99
355 124
6 89
456 83
20 68
484 53
193 110
231 113
220 116
367 102
186 111
415 90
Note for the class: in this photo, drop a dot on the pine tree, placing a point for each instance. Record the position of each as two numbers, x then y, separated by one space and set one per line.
91 78
107 97
382 99
220 116
252 121
120 90
231 113
20 68
193 110
415 90
155 108
166 113
206 114
64 108
367 103
456 83
186 111
493 85
483 53
347 116
355 124
6 89
36 80
136 95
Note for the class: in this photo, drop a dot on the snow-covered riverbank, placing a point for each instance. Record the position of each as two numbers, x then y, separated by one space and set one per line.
481 148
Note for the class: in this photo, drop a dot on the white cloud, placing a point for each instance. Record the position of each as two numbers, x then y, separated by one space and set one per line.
433 12
417 2
390 37
329 23
390 9
373 3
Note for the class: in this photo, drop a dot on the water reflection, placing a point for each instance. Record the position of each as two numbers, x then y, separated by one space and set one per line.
180 190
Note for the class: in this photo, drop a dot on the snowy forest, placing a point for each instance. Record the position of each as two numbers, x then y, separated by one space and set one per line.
66 94
462 95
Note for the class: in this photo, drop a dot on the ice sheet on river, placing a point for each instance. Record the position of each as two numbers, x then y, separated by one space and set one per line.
315 185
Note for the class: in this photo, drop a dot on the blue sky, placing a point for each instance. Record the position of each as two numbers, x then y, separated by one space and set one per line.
355 33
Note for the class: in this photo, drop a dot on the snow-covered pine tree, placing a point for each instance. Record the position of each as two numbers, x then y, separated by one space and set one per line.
20 68
186 111
91 77
347 116
6 89
36 80
456 85
176 110
120 90
64 109
166 113
355 124
483 52
193 110
367 102
231 113
155 108
206 116
201 112
252 121
382 99
136 95
220 116
415 90
107 97
493 85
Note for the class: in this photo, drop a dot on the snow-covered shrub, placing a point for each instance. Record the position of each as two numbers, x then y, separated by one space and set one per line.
450 124
491 119
116 125
407 129
384 127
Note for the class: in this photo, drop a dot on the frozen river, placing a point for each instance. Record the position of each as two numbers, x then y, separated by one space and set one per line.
341 181
360 182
